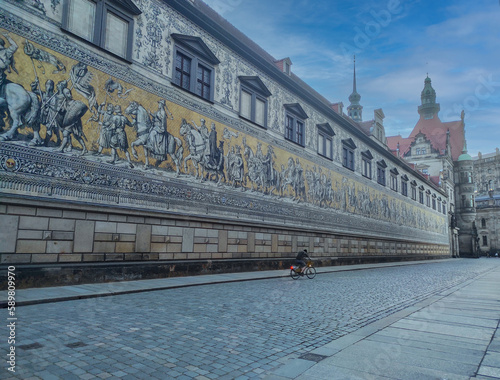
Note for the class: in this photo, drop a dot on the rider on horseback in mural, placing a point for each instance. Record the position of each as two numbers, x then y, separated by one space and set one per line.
6 64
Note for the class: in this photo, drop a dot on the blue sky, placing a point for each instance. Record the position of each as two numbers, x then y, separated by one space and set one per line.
396 42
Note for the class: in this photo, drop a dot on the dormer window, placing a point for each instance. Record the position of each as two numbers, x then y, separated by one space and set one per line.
108 24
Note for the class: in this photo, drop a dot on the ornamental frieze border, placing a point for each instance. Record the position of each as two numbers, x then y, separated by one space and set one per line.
33 172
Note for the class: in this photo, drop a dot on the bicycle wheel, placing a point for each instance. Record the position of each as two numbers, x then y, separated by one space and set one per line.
294 274
311 272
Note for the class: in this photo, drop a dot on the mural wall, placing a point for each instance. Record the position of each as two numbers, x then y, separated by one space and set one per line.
80 130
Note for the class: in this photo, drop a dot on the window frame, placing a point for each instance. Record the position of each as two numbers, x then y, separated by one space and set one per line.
295 125
326 132
124 10
394 179
381 177
348 156
404 185
201 58
257 91
366 165
413 190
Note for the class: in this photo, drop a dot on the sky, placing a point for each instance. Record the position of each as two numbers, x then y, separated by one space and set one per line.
396 43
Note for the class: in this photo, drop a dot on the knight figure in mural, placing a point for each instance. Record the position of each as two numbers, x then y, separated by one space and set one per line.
157 141
106 127
21 107
71 113
119 139
153 136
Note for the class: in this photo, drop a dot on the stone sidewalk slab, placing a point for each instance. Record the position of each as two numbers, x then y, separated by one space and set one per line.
451 336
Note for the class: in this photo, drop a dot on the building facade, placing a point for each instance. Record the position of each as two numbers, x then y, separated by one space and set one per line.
487 196
438 150
158 140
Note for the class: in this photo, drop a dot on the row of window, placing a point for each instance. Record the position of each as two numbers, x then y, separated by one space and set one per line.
109 25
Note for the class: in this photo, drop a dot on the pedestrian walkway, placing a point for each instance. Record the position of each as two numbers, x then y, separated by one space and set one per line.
452 335
33 296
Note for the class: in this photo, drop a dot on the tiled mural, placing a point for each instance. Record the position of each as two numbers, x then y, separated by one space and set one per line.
75 126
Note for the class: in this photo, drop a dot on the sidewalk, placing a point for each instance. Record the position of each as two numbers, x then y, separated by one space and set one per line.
33 296
453 335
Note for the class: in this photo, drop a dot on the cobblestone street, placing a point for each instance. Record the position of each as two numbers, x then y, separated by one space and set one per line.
237 330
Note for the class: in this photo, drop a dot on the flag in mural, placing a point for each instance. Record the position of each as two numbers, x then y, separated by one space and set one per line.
112 85
43 57
81 77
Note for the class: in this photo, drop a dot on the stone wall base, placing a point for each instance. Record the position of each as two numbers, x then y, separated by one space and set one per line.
31 276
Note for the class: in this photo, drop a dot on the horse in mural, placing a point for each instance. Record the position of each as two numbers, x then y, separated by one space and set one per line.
255 168
144 125
23 109
196 146
216 168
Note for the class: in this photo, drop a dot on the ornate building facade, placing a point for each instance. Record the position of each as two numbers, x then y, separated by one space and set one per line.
487 196
438 150
158 140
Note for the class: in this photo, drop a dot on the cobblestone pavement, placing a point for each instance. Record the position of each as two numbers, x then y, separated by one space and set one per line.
238 330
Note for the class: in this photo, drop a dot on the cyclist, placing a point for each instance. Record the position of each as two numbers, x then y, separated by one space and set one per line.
299 260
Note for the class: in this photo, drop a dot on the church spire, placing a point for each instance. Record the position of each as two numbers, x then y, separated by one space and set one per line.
429 107
355 110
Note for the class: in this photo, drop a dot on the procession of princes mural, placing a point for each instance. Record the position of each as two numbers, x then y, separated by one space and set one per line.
60 106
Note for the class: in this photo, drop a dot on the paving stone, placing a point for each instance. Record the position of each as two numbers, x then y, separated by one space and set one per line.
248 329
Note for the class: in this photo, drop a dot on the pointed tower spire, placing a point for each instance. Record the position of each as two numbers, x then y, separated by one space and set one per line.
355 110
429 107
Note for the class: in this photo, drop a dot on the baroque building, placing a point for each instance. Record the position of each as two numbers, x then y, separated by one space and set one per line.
487 196
438 150
158 140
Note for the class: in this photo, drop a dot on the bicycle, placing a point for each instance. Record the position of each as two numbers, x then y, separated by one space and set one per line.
296 271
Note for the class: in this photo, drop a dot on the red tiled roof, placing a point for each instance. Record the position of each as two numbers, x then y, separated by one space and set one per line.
435 131
404 144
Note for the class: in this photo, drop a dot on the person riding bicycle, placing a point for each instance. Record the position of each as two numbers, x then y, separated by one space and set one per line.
299 260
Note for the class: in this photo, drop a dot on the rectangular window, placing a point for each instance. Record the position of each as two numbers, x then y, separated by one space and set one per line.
348 157
439 206
404 188
394 182
105 23
82 18
485 240
299 131
421 197
433 204
246 105
116 34
381 175
428 200
183 71
367 168
260 112
325 145
203 82
253 100
444 209
294 129
289 128
414 193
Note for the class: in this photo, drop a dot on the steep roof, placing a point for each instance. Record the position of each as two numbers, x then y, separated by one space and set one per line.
435 130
